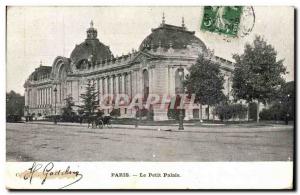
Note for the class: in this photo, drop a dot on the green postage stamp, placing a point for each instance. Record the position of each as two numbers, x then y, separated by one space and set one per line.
222 19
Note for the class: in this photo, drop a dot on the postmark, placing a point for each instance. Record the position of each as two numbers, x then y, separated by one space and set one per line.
228 21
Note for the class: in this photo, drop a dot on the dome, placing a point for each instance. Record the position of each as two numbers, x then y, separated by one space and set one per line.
41 72
91 48
168 35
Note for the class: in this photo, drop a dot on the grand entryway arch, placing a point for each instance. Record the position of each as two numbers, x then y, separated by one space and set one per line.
62 77
179 77
145 84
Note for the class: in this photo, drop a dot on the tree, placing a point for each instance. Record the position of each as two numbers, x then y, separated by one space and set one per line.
205 81
89 98
257 73
14 104
287 93
68 108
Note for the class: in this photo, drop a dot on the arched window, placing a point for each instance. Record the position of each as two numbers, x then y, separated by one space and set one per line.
108 85
103 86
145 84
62 73
114 85
179 77
120 85
126 84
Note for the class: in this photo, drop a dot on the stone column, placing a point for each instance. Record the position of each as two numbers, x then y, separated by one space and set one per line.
150 80
29 100
117 84
50 93
58 94
45 96
105 85
139 82
77 91
111 85
42 96
33 98
25 97
107 80
123 83
29 97
133 82
38 97
114 80
171 81
129 84
102 86
48 96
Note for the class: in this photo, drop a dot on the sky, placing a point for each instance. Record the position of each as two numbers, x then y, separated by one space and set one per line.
40 34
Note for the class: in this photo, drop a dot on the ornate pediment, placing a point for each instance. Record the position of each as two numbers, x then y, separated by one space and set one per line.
59 64
142 57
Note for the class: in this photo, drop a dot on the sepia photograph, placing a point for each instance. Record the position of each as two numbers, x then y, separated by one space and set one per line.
149 84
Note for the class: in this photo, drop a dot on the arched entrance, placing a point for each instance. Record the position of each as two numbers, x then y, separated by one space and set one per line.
179 77
145 85
62 77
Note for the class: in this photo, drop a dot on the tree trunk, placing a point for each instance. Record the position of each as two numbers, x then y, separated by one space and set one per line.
200 113
257 112
208 112
248 112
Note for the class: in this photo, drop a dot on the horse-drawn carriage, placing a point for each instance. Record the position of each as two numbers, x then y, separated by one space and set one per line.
99 121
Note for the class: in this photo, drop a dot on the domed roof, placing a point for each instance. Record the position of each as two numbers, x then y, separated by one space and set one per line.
168 35
40 73
90 48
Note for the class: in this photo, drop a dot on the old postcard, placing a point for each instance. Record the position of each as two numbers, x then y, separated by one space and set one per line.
162 97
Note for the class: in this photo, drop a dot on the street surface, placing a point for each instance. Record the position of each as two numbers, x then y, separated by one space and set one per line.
45 141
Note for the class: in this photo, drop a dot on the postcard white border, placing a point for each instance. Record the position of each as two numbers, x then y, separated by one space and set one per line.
258 169
158 175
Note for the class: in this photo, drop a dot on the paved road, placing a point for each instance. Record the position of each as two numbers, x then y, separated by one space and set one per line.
47 142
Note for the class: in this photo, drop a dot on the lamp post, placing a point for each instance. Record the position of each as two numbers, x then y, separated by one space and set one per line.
26 113
138 118
181 75
55 99
288 108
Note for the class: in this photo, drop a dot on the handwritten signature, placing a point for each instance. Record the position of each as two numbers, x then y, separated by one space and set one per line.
47 171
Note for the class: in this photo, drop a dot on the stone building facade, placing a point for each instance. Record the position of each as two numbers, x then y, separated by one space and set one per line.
153 69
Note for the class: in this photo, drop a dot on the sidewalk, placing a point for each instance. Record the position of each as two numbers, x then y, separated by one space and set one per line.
204 128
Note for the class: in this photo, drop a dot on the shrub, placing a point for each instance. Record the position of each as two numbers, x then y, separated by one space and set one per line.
230 111
276 112
174 114
115 112
252 110
13 118
148 113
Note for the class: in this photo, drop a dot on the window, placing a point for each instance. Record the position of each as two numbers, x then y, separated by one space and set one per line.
179 77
